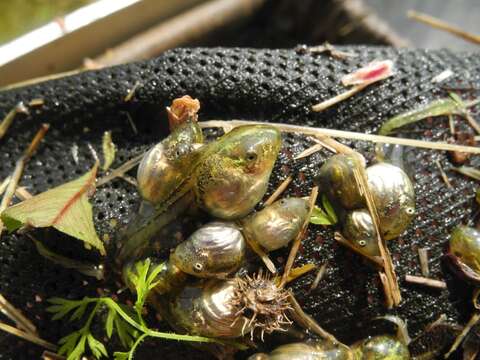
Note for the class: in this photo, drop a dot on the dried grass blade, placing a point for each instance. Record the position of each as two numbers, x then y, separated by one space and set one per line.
16 316
298 239
281 188
392 291
18 171
322 132
27 336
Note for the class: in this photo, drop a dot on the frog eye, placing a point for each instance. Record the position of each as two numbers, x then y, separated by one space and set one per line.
197 267
251 156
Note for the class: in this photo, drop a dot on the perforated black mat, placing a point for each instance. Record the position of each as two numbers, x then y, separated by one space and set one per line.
270 85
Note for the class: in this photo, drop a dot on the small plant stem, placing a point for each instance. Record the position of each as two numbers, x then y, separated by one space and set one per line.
298 239
443 175
310 151
122 169
15 315
8 119
442 25
471 323
135 345
423 256
320 275
322 132
18 171
257 249
419 280
27 336
309 323
340 97
281 188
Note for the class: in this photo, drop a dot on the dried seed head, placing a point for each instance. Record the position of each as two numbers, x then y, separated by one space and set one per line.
261 301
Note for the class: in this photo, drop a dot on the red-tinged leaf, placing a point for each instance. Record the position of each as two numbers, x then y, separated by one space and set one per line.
373 72
65 207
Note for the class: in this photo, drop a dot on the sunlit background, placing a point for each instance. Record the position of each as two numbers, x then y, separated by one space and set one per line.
44 37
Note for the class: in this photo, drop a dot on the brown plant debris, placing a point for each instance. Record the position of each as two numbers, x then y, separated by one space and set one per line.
263 302
419 280
18 171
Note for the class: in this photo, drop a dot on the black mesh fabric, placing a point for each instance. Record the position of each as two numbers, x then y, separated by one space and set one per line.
267 85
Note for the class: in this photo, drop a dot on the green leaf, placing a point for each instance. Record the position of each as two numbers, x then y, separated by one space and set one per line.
329 209
64 207
68 343
97 348
435 108
323 217
77 314
109 150
109 322
123 332
457 99
121 355
79 350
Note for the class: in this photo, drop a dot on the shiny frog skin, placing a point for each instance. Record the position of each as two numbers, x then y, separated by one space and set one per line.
228 180
214 250
359 230
168 164
312 350
336 179
394 198
277 224
207 309
234 172
464 253
382 347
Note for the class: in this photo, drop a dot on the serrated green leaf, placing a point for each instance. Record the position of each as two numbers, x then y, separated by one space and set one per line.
121 355
97 348
329 209
109 150
64 207
79 349
57 300
68 343
109 322
122 332
77 314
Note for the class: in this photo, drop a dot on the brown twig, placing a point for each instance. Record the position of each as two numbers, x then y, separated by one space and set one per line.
310 151
22 193
36 102
16 316
122 169
309 323
377 260
131 92
338 98
48 355
471 323
320 275
387 276
281 188
27 336
322 132
18 171
20 108
257 249
419 280
443 175
298 239
442 25
423 256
